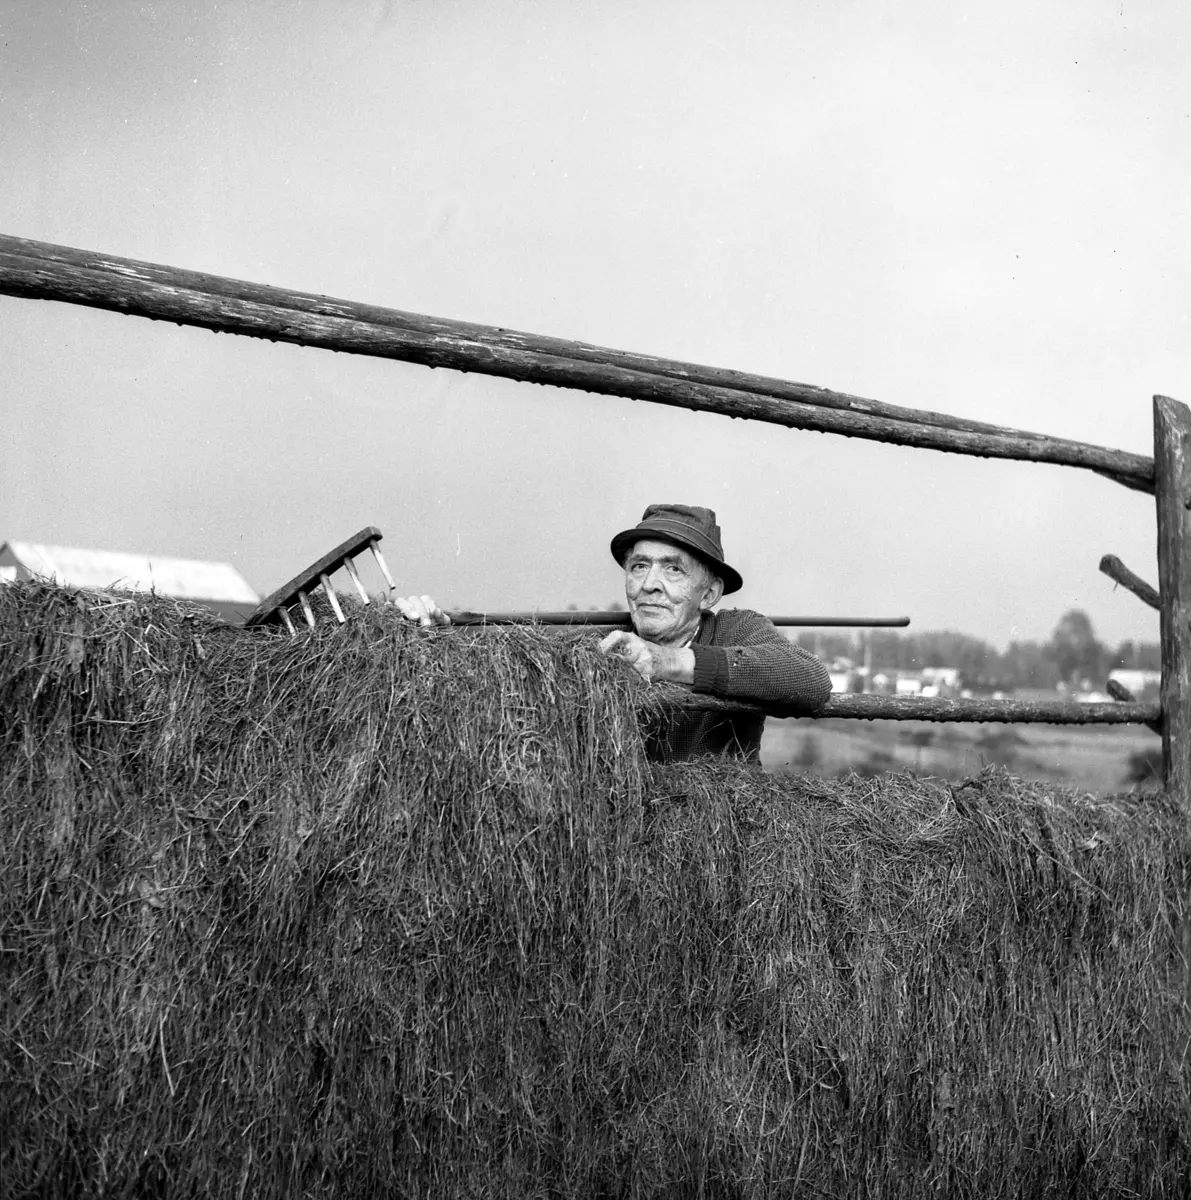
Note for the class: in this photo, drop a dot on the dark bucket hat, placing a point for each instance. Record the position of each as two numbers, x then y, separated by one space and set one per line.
693 529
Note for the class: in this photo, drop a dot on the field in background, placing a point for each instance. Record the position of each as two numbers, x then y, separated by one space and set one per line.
1095 758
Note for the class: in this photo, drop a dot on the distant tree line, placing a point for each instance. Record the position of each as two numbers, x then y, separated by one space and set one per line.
1073 656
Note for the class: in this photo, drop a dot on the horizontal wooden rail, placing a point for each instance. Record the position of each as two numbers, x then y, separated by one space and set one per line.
922 708
41 271
1118 691
491 335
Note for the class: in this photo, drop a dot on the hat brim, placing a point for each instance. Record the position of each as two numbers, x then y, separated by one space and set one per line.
624 541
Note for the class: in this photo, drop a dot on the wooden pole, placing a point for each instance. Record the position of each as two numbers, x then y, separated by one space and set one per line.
166 293
926 708
490 335
1118 691
1172 497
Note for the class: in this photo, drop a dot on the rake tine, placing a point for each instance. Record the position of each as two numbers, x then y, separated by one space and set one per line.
350 564
329 592
307 612
285 620
270 608
374 546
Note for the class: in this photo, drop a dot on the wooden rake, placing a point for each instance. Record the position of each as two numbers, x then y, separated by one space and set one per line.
276 608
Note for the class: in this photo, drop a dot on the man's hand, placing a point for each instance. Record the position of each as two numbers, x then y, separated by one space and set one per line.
650 660
421 609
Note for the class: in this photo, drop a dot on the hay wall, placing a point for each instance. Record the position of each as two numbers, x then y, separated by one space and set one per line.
382 911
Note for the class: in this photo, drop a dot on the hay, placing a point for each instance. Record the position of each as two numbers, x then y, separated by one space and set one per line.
903 987
382 911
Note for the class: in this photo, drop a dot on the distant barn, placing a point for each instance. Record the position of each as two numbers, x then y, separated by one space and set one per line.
217 585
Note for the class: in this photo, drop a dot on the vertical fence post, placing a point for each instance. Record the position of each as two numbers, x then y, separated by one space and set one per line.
1172 495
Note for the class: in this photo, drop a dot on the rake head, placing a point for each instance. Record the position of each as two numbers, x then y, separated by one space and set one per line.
277 608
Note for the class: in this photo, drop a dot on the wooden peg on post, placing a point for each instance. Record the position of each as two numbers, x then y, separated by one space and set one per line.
1172 475
1119 573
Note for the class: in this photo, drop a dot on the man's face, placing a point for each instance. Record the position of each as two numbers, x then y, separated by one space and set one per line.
667 589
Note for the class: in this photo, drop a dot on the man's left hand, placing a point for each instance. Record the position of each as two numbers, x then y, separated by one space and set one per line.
649 659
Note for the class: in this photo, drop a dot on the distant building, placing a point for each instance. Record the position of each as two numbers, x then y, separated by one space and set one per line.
217 585
945 679
930 682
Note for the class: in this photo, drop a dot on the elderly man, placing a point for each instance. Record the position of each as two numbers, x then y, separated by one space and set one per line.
674 576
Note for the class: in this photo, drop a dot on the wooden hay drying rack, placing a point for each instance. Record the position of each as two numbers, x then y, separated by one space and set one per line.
47 272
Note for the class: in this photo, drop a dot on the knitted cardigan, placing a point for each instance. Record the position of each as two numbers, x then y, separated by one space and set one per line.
739 655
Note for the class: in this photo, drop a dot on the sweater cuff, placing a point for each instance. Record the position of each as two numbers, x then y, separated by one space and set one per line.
711 669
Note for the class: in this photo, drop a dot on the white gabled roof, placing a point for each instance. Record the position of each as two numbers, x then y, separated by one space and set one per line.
184 578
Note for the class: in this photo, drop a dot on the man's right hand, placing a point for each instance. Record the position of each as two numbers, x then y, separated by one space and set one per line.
421 609
650 660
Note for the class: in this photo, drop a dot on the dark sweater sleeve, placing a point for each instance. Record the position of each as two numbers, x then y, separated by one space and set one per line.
746 658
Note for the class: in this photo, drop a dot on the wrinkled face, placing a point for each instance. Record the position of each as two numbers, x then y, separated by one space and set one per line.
668 589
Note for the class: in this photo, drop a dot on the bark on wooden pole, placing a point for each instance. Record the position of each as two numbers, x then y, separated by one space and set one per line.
166 293
928 708
1118 691
1172 498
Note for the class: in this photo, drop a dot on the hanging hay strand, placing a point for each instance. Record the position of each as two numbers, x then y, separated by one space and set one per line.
385 911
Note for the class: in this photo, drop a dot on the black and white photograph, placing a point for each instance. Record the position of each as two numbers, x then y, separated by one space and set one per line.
595 599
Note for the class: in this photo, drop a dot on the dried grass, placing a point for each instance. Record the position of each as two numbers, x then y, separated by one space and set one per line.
381 911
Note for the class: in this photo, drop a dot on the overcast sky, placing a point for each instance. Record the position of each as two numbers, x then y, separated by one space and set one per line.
974 208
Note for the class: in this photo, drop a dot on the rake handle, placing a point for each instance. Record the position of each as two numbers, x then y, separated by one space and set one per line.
621 619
